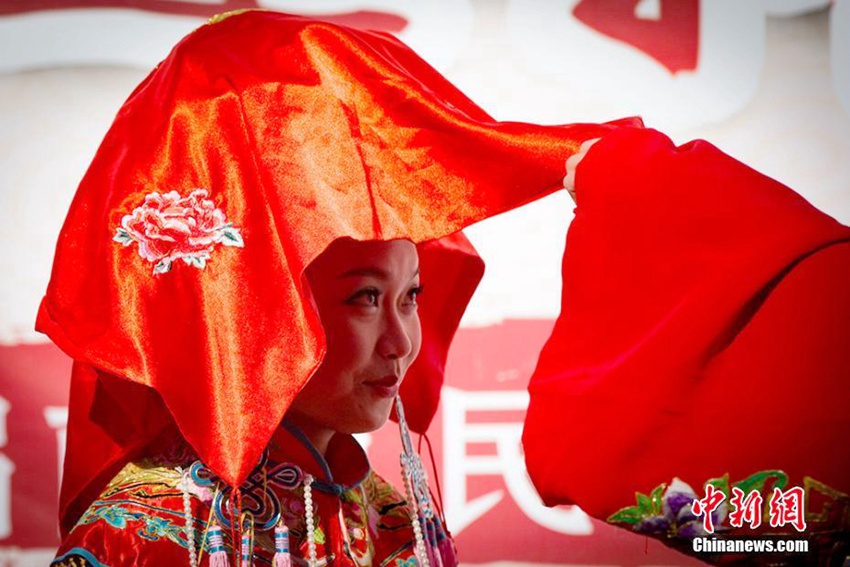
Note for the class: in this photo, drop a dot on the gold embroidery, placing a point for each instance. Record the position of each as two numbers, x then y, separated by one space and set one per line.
218 18
142 473
834 499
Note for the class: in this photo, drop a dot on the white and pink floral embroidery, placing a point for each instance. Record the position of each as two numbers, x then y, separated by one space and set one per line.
168 227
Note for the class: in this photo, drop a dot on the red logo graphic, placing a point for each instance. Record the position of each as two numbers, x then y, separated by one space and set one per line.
746 509
787 508
706 506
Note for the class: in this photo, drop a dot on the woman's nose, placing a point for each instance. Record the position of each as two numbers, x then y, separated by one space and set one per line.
396 341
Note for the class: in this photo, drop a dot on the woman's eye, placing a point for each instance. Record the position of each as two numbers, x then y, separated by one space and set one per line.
413 294
367 297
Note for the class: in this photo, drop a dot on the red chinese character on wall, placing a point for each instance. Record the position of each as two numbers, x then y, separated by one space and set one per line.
671 36
706 506
745 509
788 508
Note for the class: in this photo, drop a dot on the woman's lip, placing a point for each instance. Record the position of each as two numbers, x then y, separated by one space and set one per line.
386 387
391 380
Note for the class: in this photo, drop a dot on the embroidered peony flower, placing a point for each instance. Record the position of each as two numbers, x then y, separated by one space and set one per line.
169 227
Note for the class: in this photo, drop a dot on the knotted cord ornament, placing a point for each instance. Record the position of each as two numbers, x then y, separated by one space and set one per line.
290 476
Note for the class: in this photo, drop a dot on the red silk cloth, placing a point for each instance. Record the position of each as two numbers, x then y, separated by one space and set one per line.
705 330
301 132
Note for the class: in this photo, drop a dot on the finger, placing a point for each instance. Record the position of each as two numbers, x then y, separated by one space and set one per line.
572 163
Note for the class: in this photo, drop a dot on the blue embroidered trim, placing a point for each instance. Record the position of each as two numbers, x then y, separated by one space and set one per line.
312 448
80 552
148 526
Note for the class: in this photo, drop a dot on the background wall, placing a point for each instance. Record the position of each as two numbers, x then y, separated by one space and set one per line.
768 81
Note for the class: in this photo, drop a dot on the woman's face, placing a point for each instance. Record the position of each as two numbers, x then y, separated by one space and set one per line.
365 293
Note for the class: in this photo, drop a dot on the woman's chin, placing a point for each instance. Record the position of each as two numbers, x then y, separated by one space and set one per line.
371 422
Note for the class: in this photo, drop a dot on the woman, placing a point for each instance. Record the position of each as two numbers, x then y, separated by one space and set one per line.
248 155
366 297
264 139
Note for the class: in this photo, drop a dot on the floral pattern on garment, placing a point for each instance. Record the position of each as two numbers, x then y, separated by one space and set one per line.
139 518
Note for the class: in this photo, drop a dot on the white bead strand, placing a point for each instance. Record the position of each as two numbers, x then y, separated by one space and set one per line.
312 560
187 516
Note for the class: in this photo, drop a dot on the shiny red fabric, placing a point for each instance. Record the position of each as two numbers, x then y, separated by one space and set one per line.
705 331
301 132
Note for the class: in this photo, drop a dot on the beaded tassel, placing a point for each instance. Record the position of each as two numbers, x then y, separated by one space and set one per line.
417 494
247 544
416 518
215 543
434 544
312 560
281 546
246 550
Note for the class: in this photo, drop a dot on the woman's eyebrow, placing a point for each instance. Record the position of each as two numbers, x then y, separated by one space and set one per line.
372 271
